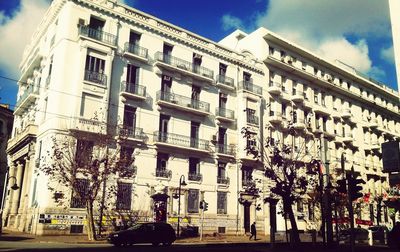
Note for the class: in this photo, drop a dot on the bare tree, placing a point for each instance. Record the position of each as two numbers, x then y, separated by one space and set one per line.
290 168
81 163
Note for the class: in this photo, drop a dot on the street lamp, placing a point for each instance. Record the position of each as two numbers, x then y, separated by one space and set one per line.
181 183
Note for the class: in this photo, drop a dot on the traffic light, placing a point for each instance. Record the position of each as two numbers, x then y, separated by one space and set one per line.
355 187
205 206
341 186
201 204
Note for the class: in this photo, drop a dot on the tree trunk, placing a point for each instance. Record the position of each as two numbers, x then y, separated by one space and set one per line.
294 234
90 221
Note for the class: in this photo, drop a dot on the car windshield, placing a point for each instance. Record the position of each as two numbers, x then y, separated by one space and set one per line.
135 227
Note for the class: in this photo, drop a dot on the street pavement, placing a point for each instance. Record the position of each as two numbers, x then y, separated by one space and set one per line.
228 243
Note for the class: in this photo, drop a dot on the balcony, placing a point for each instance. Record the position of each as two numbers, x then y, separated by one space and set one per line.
195 177
346 113
136 52
175 141
133 91
329 134
275 117
223 180
250 87
274 88
28 97
348 138
225 150
321 109
183 103
297 96
95 77
129 171
131 134
225 82
299 124
373 123
248 182
252 119
98 35
88 125
184 67
30 131
375 146
223 114
163 173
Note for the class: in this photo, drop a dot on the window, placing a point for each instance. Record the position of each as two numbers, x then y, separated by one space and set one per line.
96 23
163 128
193 201
129 117
132 74
194 134
83 155
162 160
76 229
223 98
221 170
124 196
246 77
247 175
125 161
221 203
197 59
78 198
94 70
194 166
134 38
271 50
90 105
222 69
167 52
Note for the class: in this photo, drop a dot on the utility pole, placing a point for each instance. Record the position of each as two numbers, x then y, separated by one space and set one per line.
351 213
326 195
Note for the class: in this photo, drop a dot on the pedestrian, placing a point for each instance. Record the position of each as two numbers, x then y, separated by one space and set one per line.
253 231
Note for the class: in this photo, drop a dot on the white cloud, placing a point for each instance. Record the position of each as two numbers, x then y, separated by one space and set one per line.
341 49
388 54
229 22
16 31
324 27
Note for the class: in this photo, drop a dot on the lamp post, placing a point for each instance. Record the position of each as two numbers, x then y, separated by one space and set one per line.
181 183
13 187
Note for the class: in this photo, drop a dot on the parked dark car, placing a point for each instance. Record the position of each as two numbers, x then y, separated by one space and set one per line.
378 232
359 234
149 232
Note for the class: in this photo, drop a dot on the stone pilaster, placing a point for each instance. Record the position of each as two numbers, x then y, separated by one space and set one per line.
17 193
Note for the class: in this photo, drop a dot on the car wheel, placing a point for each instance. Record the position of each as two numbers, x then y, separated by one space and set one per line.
155 243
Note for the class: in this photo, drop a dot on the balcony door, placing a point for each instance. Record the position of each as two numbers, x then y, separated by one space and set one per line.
132 78
194 134
195 96
96 23
134 38
167 52
163 128
222 139
196 62
129 119
166 83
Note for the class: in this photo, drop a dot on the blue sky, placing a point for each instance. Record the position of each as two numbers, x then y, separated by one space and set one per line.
357 32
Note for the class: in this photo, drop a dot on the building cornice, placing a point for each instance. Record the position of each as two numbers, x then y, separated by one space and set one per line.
164 28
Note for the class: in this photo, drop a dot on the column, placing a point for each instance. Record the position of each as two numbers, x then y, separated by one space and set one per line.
9 197
17 193
25 185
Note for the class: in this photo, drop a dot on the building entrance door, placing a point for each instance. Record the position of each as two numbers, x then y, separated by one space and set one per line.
246 217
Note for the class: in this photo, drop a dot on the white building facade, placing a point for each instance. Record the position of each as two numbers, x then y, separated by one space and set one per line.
180 101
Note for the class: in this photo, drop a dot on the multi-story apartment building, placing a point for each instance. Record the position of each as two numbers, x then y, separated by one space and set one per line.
180 101
6 122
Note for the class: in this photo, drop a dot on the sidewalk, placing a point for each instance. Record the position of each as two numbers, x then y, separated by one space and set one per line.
82 239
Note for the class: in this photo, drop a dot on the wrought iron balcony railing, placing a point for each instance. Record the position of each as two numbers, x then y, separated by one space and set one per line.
136 50
131 132
225 80
180 140
224 112
226 149
99 35
195 176
95 77
183 101
183 64
252 119
133 88
163 173
223 180
248 182
249 86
